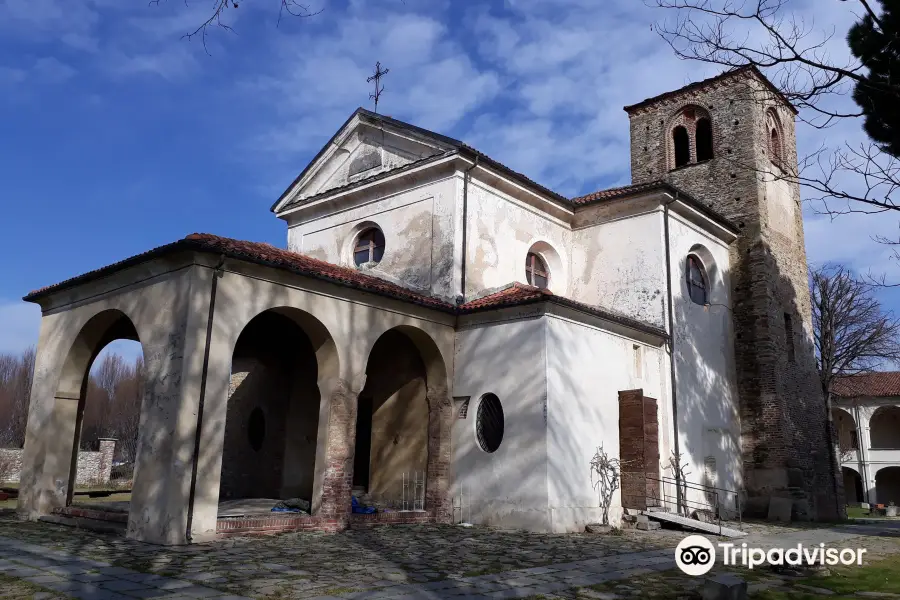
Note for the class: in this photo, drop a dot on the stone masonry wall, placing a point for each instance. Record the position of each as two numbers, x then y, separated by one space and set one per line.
782 410
92 468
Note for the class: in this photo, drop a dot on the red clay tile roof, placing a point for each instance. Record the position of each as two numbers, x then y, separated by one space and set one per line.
265 254
518 294
618 192
648 186
711 80
877 385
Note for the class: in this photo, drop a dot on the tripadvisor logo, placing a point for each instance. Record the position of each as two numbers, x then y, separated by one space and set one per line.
695 555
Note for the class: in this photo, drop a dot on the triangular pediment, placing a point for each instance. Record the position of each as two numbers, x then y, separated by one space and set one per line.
366 146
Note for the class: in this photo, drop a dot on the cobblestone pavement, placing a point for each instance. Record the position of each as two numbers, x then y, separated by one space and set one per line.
397 563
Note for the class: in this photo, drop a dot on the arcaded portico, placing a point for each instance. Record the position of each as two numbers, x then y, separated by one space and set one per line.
189 304
867 421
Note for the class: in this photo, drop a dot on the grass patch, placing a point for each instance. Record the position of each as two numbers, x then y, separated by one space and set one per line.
339 590
484 571
13 588
880 576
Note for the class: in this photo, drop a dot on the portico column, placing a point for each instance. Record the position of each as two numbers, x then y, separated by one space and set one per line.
437 485
335 450
864 413
173 352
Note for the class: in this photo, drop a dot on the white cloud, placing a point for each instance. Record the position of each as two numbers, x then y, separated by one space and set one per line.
20 324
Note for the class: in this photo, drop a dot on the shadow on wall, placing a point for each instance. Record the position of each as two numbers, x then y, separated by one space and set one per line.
511 484
884 428
887 485
273 412
393 411
783 447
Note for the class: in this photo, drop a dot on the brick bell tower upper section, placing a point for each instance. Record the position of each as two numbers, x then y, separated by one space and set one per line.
715 139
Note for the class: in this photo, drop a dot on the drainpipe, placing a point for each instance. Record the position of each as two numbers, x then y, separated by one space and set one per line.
217 272
671 319
465 226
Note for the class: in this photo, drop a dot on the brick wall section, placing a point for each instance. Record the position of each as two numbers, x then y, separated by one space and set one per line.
638 448
437 484
338 478
781 406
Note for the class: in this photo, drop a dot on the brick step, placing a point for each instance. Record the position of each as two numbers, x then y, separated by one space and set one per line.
97 525
91 513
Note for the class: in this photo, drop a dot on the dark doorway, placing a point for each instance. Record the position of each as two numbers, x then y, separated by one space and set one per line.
363 455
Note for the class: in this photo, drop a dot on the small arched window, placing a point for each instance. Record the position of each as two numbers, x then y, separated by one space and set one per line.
369 247
698 284
704 140
536 271
682 146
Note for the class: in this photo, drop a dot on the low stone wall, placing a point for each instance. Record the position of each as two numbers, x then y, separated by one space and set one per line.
94 468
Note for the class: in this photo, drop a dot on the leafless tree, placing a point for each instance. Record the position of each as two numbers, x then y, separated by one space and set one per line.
794 56
16 373
678 467
605 471
852 334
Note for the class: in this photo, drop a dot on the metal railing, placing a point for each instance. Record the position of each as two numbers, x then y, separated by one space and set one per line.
716 505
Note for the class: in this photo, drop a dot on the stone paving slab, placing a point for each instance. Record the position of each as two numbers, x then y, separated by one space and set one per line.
386 563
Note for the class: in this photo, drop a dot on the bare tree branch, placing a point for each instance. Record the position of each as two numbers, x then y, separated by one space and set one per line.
765 34
220 7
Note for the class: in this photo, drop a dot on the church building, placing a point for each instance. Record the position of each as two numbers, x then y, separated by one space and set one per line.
445 340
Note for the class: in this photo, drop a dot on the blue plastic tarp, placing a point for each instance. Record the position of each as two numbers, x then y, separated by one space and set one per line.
359 508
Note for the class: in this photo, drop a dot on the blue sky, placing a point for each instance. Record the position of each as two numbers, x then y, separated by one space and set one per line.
118 136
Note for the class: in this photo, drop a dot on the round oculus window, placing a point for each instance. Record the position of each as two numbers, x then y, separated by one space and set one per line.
489 423
369 247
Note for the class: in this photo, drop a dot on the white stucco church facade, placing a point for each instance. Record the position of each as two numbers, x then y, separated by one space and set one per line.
440 319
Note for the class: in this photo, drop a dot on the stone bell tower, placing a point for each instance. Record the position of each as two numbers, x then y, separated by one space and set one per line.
728 141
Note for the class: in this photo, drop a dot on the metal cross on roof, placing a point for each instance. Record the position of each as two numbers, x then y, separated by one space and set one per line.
379 73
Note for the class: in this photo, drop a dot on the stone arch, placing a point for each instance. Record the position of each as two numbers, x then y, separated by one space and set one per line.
887 485
403 424
284 362
689 120
853 487
845 429
555 265
71 393
884 428
774 136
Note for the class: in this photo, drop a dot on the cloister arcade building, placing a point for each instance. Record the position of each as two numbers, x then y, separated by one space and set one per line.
866 416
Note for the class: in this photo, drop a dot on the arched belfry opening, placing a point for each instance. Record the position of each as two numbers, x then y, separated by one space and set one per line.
704 137
682 146
272 416
690 132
